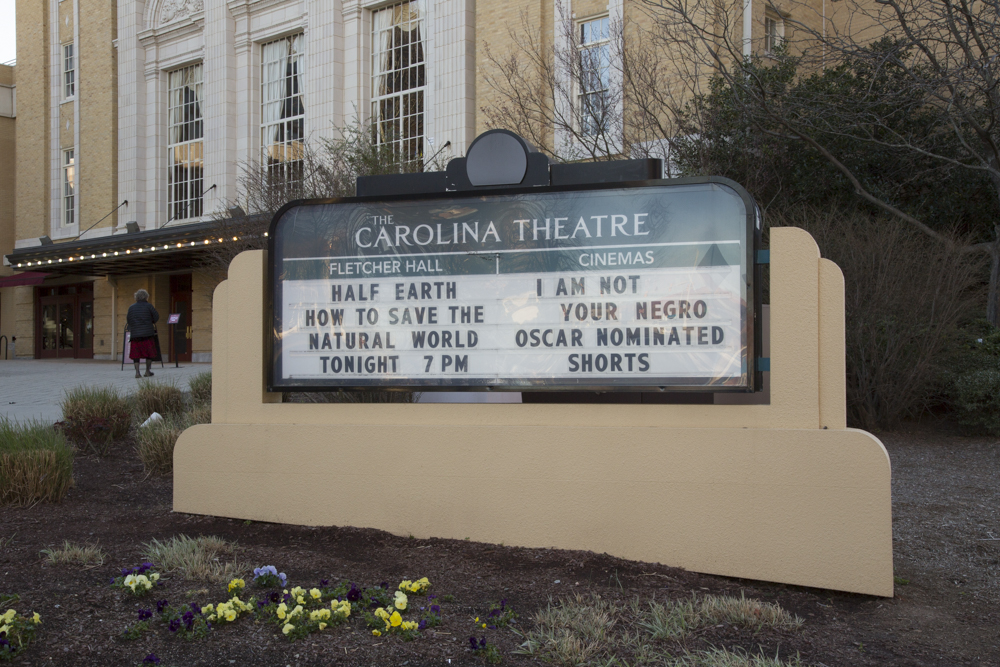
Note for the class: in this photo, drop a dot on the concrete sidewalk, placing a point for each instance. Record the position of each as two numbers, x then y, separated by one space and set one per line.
33 388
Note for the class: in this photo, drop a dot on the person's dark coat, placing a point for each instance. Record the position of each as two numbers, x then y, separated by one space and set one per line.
141 317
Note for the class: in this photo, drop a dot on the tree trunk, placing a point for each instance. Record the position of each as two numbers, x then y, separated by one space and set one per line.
993 300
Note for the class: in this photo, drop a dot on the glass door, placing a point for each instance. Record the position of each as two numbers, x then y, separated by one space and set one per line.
180 339
65 322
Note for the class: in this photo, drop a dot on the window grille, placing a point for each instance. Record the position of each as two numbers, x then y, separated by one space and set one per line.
595 75
69 188
399 81
184 144
283 110
69 71
774 32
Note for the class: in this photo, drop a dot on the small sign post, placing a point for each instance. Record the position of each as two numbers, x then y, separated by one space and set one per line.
173 319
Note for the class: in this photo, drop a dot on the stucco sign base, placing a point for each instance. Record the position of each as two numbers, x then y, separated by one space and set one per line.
781 492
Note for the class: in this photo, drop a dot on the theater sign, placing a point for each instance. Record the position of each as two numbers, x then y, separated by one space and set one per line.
645 285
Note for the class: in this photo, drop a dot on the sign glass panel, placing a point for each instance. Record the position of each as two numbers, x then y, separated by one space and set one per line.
608 287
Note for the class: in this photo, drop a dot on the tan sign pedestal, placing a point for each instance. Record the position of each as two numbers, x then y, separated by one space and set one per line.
780 492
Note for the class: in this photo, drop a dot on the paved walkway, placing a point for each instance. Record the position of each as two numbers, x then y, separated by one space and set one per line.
33 388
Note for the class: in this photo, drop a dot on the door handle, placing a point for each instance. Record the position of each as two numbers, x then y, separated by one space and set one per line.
187 333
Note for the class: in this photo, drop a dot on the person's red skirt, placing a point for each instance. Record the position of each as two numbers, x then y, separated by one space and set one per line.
142 348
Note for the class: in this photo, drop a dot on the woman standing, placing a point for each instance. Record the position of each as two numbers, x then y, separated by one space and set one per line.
141 317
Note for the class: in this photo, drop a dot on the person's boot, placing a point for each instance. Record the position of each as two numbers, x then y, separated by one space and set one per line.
149 373
137 370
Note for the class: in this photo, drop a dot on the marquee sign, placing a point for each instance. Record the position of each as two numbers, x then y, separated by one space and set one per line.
615 286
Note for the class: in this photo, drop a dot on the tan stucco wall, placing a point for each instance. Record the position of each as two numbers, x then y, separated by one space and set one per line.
33 120
102 319
782 492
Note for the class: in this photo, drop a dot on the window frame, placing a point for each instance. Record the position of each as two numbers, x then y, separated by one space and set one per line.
70 188
602 44
401 89
773 39
186 137
69 57
282 154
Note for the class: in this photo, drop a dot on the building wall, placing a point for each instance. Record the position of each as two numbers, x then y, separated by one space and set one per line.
203 284
8 173
98 118
34 125
226 38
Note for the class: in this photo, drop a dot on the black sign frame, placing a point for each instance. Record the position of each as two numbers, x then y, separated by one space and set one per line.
752 325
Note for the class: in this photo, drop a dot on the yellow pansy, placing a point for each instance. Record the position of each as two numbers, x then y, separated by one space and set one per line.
322 626
395 620
230 615
237 584
484 626
207 608
382 613
155 576
400 601
211 618
288 628
376 633
4 628
8 616
282 608
405 585
297 591
315 594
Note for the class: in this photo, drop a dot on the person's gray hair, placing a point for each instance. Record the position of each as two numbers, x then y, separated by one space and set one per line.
142 295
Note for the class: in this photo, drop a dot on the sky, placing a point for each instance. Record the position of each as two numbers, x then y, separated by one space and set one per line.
8 39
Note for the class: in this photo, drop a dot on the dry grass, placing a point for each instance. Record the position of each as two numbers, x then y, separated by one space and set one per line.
84 555
583 630
155 442
673 620
574 632
720 657
36 463
160 397
200 558
95 417
201 388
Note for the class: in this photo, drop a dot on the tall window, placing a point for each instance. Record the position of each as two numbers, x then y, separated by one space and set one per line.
69 71
69 188
595 75
774 33
398 80
283 109
184 144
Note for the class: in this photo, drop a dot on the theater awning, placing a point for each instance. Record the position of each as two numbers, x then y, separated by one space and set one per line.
25 278
166 249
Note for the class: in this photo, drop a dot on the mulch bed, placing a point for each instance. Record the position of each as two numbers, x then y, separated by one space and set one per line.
931 621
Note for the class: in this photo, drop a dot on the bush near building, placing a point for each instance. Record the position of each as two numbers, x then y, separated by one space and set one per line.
36 463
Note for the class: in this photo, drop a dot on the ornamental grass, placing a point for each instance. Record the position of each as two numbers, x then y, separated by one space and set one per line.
36 463
165 398
95 417
204 558
201 388
156 441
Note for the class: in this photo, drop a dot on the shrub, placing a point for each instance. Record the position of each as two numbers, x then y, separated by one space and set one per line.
94 417
977 400
35 463
156 441
975 392
201 388
906 296
158 397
